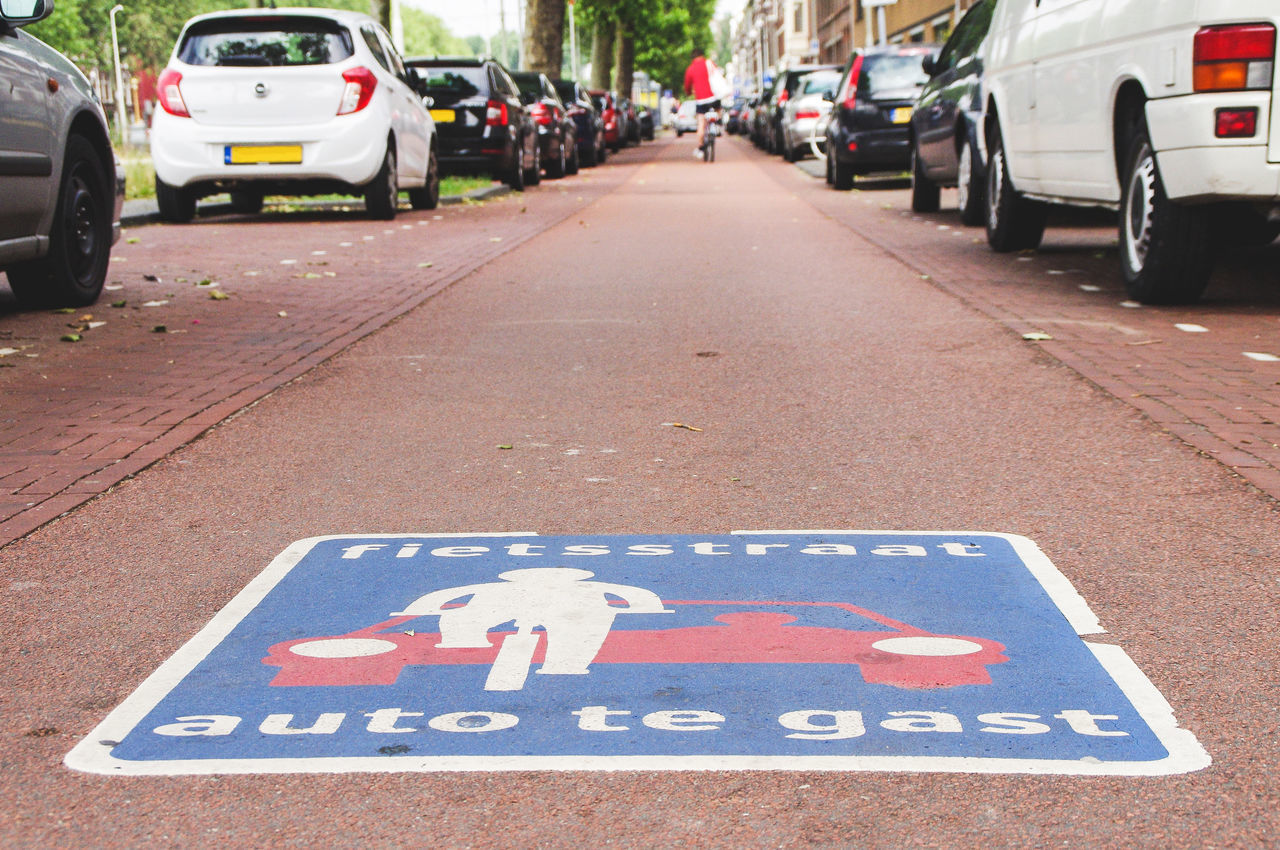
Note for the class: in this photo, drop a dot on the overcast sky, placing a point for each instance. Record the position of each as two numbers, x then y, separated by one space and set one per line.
480 17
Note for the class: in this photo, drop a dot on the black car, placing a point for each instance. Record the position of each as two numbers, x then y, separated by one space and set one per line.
557 132
644 121
947 123
590 125
481 124
870 125
784 88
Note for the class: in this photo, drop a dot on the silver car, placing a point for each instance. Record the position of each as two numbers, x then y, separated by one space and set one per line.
61 186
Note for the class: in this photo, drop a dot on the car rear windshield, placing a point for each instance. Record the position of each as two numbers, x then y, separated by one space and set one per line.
894 72
566 92
455 83
819 82
264 41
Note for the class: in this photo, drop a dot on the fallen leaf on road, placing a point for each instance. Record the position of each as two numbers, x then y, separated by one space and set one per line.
5 352
425 265
151 277
112 287
505 447
154 303
65 310
70 337
684 426
282 314
495 238
1145 342
160 329
218 295
92 325
133 240
1036 337
204 282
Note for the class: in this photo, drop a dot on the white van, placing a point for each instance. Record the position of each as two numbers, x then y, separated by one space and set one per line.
1161 110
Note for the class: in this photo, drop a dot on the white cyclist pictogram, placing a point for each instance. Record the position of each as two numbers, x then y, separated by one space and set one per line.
575 615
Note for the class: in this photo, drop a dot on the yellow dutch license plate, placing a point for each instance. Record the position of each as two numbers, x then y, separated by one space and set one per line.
443 116
260 154
902 115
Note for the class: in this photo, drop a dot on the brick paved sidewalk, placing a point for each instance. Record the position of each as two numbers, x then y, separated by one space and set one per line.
201 320
1203 372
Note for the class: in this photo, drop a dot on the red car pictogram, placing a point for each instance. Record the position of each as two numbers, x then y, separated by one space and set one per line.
900 654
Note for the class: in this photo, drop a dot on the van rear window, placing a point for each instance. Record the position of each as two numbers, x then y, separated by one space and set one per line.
265 41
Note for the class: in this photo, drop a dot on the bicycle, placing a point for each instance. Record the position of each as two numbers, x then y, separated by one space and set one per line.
709 138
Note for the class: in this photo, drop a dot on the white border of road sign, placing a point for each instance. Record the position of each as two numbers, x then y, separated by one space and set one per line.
93 753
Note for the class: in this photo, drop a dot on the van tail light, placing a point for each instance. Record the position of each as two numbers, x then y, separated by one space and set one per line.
169 93
1234 58
541 113
495 114
849 97
359 90
807 113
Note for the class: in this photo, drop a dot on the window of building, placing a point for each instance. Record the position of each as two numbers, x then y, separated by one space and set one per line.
916 36
941 28
798 24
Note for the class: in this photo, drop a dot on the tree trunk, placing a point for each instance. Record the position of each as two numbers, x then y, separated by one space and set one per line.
602 54
625 64
381 11
544 36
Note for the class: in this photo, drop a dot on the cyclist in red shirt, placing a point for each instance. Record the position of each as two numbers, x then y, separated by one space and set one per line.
697 82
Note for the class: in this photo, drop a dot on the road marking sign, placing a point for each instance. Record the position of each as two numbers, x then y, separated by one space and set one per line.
773 650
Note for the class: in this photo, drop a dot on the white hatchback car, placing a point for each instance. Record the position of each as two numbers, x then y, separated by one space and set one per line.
296 101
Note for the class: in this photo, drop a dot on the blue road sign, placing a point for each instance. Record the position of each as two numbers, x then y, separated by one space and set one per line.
788 650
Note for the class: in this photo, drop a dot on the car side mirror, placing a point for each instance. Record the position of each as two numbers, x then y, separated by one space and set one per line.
829 96
929 65
22 12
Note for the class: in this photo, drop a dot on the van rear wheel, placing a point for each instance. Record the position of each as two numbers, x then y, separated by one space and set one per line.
1166 249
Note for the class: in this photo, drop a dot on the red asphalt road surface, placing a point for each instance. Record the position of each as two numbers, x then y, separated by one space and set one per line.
835 388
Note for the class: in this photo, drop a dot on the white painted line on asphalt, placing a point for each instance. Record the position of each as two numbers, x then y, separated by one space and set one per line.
1260 356
1192 329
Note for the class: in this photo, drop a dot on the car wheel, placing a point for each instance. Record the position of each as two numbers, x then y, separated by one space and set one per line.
177 205
558 165
827 170
382 195
1013 222
592 159
428 197
926 196
970 187
516 178
246 203
572 165
1166 249
533 176
73 271
841 174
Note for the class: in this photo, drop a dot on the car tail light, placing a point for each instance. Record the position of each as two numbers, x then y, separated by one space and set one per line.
849 97
1236 123
495 114
1234 58
541 113
807 113
784 97
359 90
170 95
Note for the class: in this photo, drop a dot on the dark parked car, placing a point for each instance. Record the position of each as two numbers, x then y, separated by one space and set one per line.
628 121
784 88
61 189
734 114
582 109
947 123
481 124
607 104
557 132
870 125
644 120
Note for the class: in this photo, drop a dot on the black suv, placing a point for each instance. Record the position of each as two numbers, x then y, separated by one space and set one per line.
556 129
481 123
583 111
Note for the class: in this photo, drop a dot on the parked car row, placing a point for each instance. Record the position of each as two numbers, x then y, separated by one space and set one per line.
1165 114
